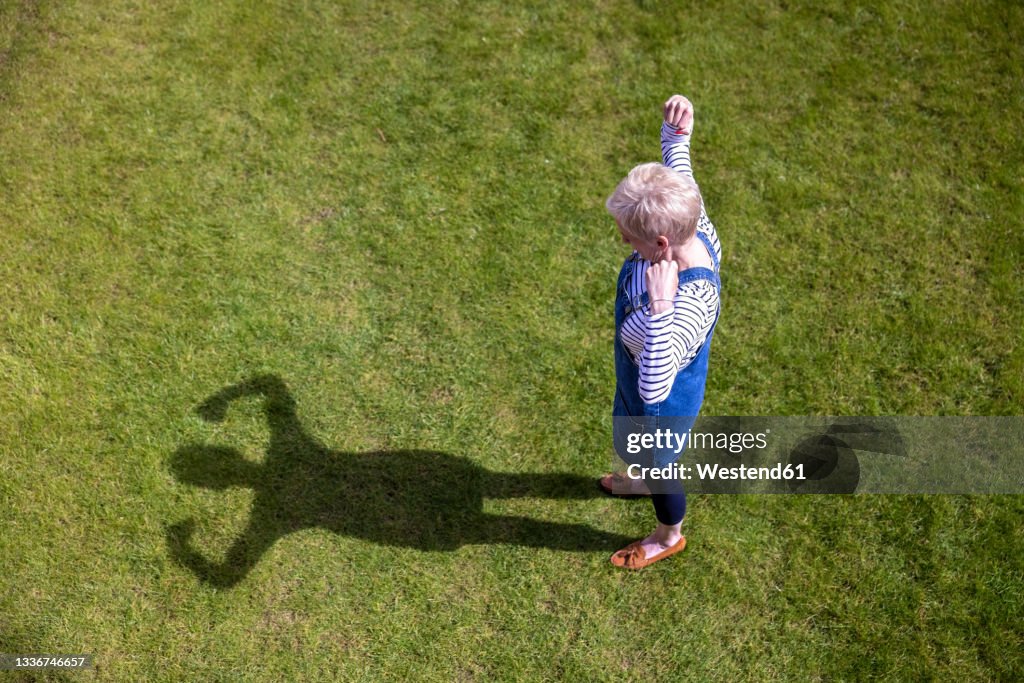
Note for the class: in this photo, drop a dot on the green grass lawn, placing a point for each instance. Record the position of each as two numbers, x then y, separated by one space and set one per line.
386 220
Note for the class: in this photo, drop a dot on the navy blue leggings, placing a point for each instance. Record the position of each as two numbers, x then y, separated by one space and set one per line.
670 507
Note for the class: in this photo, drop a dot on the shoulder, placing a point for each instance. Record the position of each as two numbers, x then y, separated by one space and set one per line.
697 300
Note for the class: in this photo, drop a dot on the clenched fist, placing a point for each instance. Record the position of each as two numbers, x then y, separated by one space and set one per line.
679 113
662 284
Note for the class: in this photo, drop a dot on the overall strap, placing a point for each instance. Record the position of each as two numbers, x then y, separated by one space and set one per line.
711 249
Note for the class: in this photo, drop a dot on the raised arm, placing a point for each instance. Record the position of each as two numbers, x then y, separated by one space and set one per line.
676 129
675 134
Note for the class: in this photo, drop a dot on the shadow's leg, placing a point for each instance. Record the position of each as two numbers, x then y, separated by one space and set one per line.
538 534
537 485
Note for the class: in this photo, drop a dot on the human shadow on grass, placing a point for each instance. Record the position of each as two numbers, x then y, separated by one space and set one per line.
409 498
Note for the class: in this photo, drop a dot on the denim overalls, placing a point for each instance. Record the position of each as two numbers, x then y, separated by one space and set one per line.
679 410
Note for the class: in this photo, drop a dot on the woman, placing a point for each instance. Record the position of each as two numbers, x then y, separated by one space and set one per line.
666 307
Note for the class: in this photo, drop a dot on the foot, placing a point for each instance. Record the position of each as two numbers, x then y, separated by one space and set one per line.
654 545
620 484
647 551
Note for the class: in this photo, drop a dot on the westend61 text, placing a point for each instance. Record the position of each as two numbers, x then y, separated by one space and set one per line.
663 439
707 472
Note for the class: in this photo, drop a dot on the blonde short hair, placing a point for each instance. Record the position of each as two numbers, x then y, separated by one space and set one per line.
656 200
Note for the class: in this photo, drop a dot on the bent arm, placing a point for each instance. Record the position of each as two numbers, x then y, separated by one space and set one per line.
669 336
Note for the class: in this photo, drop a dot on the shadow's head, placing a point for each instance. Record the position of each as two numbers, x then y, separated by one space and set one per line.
212 467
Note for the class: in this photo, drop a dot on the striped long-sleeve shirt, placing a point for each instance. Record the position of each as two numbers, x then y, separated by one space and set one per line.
664 344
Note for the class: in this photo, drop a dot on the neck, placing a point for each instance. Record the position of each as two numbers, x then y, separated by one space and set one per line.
690 254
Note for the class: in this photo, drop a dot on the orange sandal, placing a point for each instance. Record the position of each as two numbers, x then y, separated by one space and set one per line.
632 556
616 485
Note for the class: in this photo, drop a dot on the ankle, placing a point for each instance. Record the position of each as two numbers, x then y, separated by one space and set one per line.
667 535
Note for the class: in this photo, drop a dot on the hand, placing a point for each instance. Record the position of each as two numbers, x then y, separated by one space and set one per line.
662 285
679 113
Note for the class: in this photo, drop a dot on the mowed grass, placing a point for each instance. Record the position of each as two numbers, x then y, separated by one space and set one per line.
389 217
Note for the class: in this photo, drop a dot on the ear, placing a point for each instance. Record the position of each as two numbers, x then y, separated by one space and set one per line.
662 242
